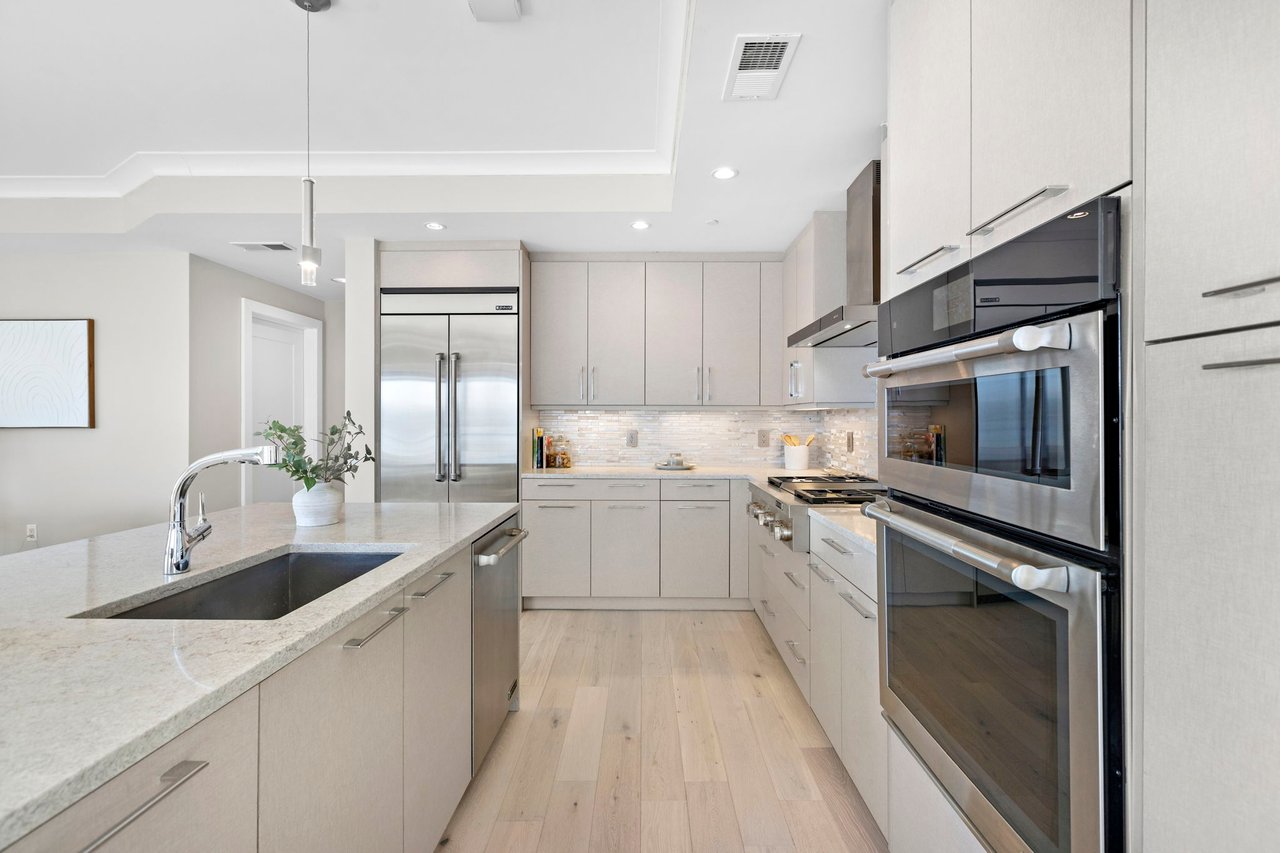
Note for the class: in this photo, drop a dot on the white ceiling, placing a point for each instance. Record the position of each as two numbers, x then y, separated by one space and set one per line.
155 124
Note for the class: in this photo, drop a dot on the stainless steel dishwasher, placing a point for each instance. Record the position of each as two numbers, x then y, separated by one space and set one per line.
495 633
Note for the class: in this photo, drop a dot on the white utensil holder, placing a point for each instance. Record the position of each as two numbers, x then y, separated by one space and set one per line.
795 458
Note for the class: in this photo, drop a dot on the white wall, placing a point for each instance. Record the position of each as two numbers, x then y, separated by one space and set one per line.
215 332
74 483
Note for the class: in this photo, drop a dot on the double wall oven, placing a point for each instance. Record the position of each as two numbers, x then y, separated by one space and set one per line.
999 402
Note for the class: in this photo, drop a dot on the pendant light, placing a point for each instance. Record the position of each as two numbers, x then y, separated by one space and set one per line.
308 253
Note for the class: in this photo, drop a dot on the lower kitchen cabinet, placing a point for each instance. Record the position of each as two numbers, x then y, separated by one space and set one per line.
695 549
921 816
826 613
437 717
625 548
212 771
557 555
331 728
864 735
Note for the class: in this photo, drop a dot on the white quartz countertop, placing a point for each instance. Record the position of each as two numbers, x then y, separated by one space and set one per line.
755 473
85 698
847 521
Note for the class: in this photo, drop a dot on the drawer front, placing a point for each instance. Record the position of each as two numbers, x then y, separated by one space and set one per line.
790 579
854 562
570 489
216 808
695 490
791 636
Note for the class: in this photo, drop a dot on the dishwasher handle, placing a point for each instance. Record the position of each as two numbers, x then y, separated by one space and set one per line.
516 536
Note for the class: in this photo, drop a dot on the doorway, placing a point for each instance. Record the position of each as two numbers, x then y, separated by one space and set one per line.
281 379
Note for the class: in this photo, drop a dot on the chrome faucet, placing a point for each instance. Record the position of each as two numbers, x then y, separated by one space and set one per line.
177 557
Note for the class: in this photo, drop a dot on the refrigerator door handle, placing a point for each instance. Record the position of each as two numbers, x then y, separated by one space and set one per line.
455 459
439 417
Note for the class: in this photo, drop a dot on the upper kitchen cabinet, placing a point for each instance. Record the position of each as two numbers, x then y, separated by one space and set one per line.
731 334
673 334
1212 203
1050 110
615 333
928 141
558 328
773 336
818 259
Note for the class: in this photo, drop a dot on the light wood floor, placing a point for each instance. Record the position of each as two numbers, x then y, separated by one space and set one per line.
662 732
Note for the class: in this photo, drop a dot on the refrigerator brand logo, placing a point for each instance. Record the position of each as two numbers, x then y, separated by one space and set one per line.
504 308
988 299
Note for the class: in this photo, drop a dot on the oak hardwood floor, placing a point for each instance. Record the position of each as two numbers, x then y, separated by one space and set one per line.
658 731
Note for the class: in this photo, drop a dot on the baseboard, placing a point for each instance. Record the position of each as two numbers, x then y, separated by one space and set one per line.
603 603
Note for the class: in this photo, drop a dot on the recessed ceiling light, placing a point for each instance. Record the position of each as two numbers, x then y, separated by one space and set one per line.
640 225
339 279
435 226
724 173
1079 214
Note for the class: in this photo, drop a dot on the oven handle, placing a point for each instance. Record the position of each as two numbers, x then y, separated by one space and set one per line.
1021 575
1021 339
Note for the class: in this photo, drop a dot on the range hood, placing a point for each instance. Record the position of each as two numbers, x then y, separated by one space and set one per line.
854 323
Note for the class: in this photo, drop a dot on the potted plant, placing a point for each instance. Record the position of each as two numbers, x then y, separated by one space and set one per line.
319 503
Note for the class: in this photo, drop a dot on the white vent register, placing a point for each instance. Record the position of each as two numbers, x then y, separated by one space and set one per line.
757 66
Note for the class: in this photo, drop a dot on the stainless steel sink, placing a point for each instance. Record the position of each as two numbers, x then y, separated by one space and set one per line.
268 590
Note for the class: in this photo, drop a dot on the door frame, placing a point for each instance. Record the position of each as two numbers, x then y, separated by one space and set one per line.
312 374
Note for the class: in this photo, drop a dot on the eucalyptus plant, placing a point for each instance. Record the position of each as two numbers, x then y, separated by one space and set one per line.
336 458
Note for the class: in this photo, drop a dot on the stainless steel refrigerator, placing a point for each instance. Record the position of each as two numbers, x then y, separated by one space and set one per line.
450 396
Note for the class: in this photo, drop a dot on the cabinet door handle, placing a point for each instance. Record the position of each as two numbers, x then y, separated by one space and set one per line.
989 226
395 613
582 383
853 602
708 384
839 549
697 388
911 267
813 567
515 535
423 593
172 779
1246 289
794 646
764 602
595 384
1251 362
794 580
627 506
767 552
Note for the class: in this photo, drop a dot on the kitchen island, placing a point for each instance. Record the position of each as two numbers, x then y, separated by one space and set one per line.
86 698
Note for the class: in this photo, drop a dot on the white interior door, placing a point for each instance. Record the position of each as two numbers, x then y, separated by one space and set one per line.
281 363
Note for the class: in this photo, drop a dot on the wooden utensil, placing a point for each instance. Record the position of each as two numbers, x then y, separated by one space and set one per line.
808 441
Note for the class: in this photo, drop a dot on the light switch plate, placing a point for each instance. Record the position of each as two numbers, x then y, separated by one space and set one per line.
633 438
763 437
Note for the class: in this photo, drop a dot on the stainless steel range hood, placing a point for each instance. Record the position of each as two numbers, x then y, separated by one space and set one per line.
854 323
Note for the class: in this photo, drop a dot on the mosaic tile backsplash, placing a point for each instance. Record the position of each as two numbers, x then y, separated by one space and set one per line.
715 437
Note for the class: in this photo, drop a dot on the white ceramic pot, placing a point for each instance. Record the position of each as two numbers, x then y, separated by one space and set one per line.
795 458
320 506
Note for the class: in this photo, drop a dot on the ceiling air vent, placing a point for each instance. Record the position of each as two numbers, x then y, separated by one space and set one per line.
269 246
758 65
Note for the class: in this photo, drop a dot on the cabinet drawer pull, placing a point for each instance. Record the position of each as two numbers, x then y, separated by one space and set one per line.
1243 289
690 506
555 485
515 535
767 552
423 593
989 226
764 602
627 506
839 549
911 267
793 645
628 485
813 567
395 613
794 580
853 602
173 779
1252 362
556 506
696 485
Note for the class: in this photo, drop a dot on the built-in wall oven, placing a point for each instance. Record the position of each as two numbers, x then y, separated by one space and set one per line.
999 401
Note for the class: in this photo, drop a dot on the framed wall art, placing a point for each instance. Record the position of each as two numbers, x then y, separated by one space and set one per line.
46 373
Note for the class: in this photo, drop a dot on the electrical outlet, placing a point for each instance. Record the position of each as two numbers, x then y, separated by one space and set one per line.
633 438
32 536
763 437
848 441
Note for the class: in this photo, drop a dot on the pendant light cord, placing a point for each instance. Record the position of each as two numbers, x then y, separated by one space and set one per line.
308 18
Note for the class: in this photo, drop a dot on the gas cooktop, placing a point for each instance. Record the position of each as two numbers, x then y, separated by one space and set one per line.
836 489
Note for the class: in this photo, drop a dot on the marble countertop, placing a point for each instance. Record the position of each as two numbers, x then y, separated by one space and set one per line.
755 473
848 521
85 698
